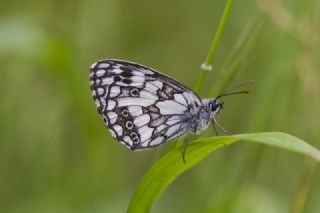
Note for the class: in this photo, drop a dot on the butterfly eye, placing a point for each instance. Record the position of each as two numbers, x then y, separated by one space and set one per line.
125 112
134 92
133 134
135 140
129 125
134 137
213 105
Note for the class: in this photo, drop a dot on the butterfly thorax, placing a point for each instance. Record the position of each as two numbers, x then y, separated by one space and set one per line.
209 109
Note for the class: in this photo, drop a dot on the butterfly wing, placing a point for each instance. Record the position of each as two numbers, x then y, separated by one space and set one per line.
141 107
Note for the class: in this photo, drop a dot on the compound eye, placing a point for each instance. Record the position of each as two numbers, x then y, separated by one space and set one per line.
213 106
216 106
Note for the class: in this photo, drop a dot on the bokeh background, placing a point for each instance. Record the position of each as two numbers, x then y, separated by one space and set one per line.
57 156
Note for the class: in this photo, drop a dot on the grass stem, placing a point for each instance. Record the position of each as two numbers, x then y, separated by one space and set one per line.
207 65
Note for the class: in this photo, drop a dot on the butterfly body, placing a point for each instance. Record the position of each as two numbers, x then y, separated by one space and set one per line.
143 108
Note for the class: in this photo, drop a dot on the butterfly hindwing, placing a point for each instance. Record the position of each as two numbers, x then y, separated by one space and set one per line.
141 107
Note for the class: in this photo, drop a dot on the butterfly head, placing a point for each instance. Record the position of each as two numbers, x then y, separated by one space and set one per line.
215 107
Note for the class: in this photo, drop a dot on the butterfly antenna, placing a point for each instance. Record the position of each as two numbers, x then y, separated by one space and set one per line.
230 91
239 86
233 93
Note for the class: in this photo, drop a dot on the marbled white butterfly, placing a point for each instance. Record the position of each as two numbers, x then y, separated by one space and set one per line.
143 108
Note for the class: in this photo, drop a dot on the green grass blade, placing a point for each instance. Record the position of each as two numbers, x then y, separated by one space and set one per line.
170 166
214 45
207 65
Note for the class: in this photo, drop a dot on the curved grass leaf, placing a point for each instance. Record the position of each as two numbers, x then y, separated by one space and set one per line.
170 166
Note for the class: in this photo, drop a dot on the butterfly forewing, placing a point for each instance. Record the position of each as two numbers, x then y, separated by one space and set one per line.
141 107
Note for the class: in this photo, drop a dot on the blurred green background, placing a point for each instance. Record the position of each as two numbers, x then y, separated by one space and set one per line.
57 156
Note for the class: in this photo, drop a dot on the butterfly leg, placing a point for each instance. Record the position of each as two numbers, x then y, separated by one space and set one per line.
214 127
214 121
185 142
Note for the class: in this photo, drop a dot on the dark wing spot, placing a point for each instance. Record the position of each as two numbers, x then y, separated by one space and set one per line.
126 72
153 108
116 78
127 81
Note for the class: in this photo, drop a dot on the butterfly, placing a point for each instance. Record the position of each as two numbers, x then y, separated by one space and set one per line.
143 108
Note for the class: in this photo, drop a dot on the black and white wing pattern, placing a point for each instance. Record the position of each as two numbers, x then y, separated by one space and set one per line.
141 107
